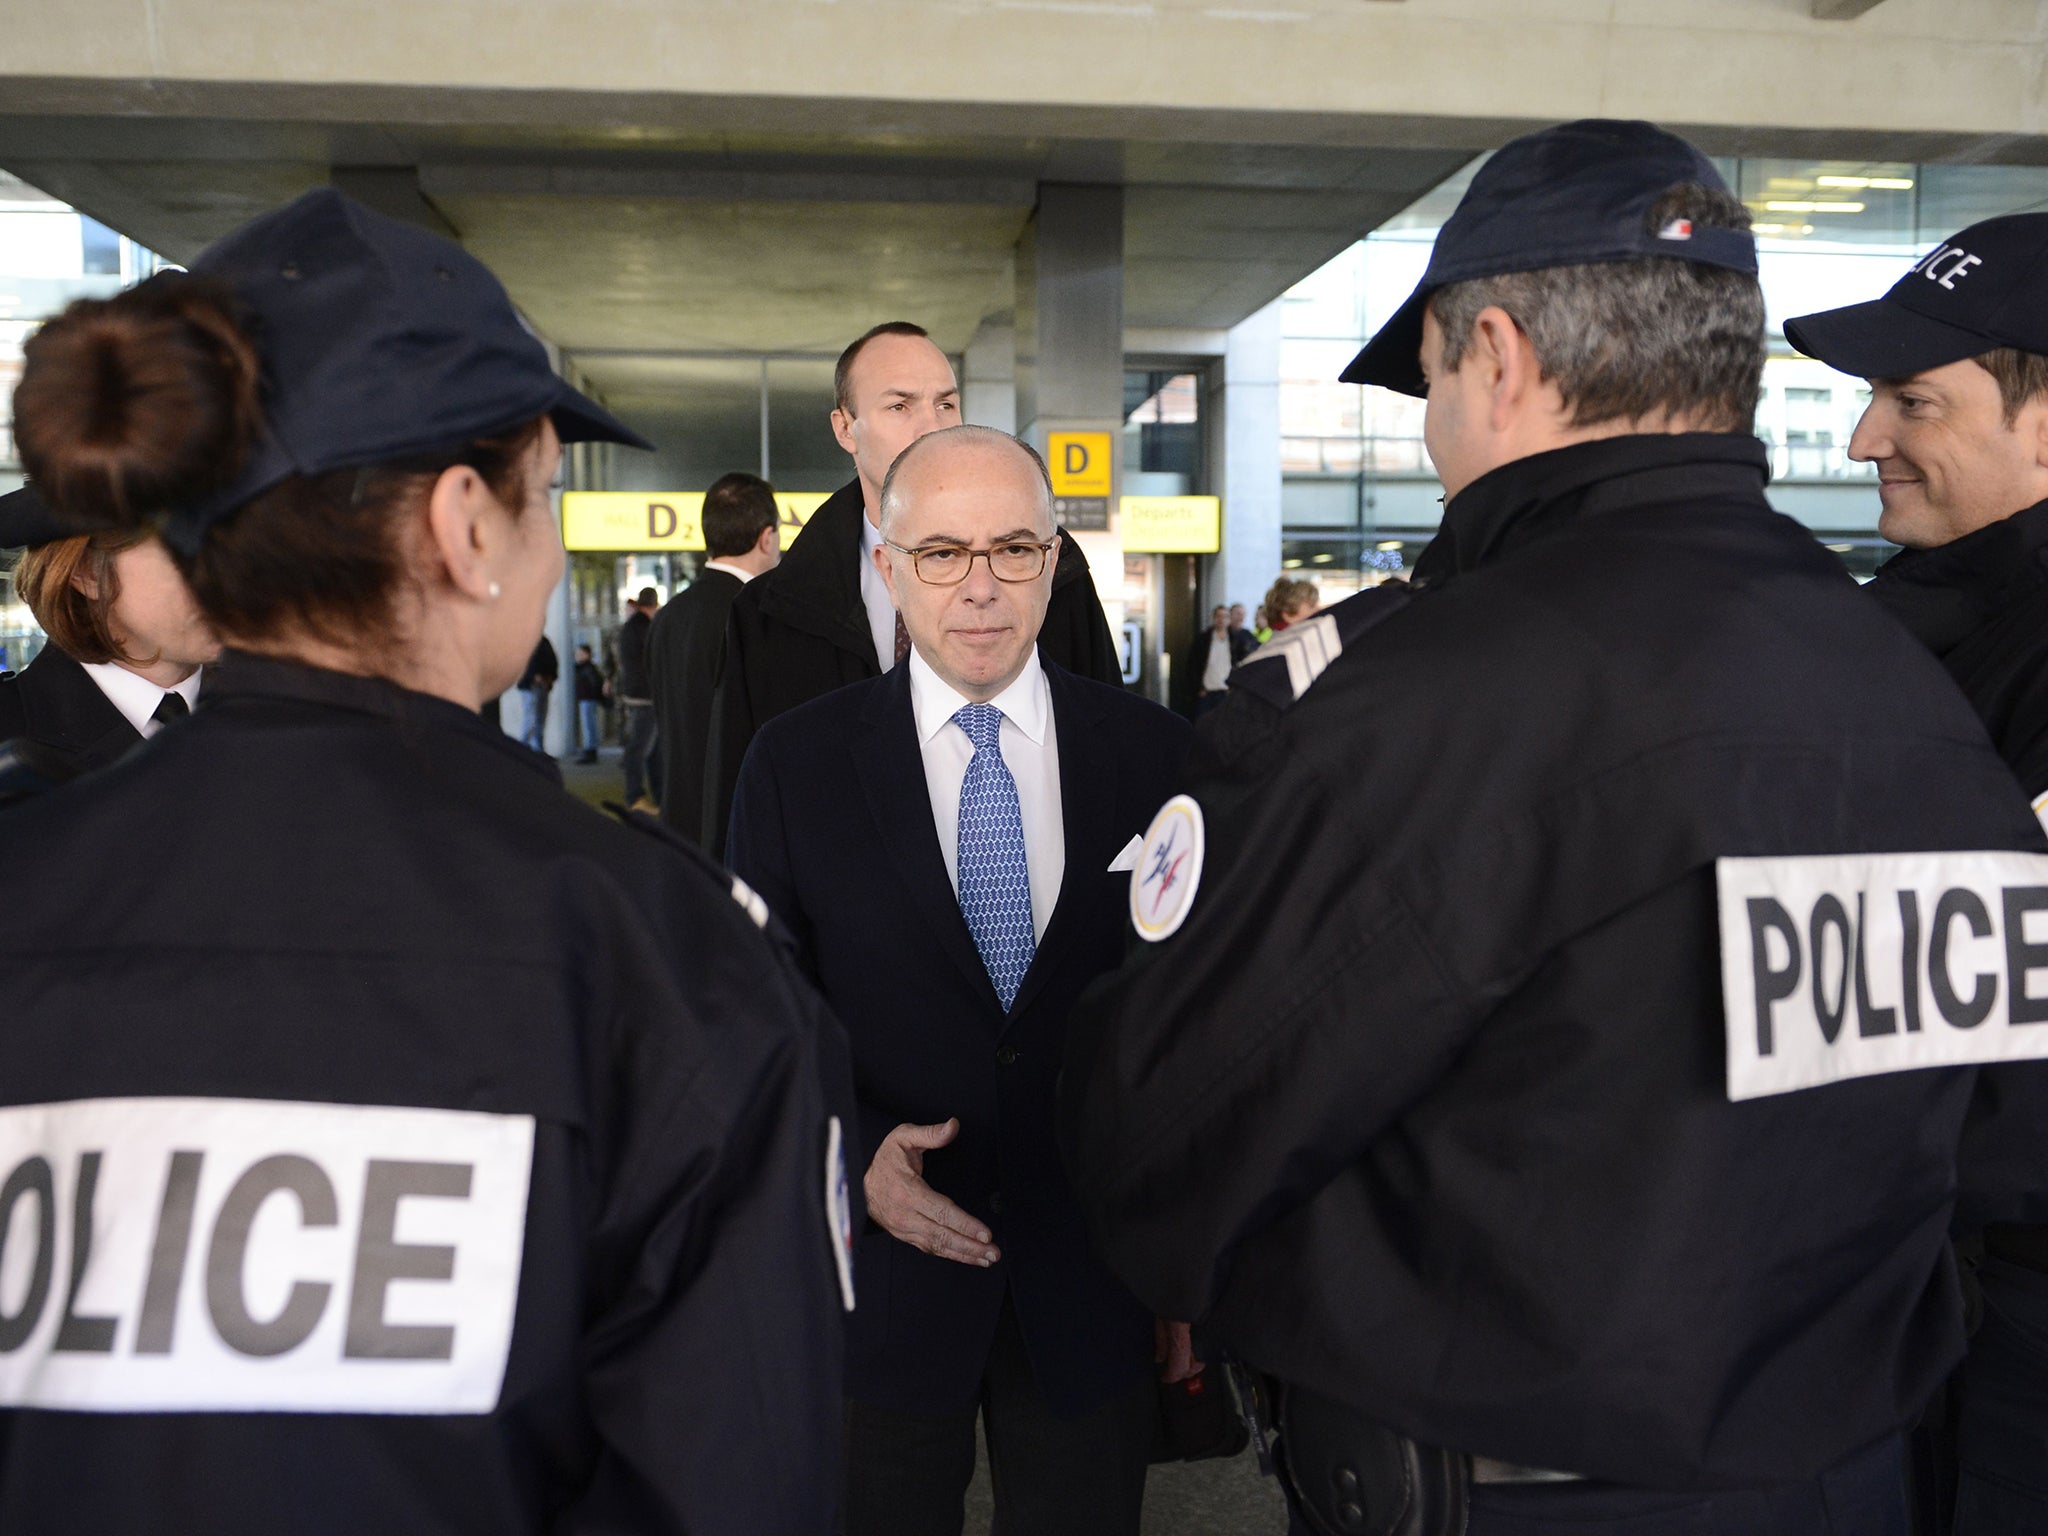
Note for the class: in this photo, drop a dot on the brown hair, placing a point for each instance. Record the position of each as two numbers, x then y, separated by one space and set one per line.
842 371
2022 377
78 625
135 404
1287 594
1624 340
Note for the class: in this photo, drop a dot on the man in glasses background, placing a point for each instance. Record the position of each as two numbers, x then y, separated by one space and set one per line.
824 618
951 844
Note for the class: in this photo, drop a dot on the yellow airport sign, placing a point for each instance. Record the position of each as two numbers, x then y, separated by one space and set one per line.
1171 525
643 522
1079 462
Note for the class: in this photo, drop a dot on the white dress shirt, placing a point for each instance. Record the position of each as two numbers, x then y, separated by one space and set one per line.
1030 748
874 592
1216 675
137 697
739 572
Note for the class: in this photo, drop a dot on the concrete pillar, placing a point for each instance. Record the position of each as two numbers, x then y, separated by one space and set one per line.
1070 322
1244 460
988 375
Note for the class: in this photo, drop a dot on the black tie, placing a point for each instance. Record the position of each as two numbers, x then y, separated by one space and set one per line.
170 707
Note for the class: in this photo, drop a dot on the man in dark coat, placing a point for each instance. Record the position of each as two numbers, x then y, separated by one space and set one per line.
1957 358
743 536
636 696
1531 1155
949 845
823 618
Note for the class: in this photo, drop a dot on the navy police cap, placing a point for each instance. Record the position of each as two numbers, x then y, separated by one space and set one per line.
1973 293
380 341
1572 195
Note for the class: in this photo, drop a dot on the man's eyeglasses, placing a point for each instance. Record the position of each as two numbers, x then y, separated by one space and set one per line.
947 565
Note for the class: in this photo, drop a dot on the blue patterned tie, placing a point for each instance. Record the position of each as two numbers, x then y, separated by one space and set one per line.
995 882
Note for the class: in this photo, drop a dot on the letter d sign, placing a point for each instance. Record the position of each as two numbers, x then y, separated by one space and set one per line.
661 520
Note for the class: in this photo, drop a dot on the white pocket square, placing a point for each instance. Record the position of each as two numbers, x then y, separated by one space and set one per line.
1127 860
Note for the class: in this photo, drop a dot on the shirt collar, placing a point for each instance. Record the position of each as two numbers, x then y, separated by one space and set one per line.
739 571
135 696
934 701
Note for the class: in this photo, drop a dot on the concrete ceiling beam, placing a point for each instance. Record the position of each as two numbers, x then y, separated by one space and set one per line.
722 186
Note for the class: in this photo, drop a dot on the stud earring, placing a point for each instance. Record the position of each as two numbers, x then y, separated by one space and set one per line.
493 589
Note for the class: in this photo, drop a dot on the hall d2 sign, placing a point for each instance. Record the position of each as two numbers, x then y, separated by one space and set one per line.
240 1255
1846 966
639 522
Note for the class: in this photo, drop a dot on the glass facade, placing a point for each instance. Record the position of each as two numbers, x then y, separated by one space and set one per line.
50 254
1359 495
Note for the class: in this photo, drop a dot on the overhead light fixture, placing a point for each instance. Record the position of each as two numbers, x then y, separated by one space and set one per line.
1811 207
1874 183
1847 183
1891 183
1388 544
1843 549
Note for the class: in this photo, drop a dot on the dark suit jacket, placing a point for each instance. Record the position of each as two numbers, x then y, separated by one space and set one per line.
832 824
683 649
54 702
802 630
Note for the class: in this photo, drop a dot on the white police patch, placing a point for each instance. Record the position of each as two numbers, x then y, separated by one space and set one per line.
1169 869
1307 648
839 1209
240 1255
1850 965
750 901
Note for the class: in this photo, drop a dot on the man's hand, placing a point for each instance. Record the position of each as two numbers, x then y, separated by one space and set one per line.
1173 1346
911 1211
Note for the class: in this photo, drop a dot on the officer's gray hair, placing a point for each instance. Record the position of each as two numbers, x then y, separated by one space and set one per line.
1625 340
964 436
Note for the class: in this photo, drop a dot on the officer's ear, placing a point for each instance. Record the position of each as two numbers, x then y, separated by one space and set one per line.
1508 370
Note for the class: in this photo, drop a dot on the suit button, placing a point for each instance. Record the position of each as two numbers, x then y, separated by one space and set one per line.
1005 1054
1347 1483
995 1205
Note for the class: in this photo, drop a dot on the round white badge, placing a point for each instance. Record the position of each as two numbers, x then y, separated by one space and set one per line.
1169 869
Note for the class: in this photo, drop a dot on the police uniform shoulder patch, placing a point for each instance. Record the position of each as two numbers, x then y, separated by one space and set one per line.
2041 810
750 901
838 1208
1168 871
1307 650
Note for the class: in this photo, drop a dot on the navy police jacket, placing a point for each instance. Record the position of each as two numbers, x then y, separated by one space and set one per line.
1430 1102
833 825
399 1147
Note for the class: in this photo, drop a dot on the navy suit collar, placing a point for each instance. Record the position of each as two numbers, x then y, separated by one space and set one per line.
1087 807
891 771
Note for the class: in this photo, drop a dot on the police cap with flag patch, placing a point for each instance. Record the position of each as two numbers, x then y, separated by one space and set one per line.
1975 292
1574 195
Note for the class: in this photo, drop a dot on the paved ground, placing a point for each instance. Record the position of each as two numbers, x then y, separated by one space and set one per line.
1206 1498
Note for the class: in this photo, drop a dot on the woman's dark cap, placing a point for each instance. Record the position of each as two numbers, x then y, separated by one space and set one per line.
1573 195
380 341
1973 293
25 522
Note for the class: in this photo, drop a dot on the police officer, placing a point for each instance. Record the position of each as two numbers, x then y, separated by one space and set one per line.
1957 358
1570 1174
387 1143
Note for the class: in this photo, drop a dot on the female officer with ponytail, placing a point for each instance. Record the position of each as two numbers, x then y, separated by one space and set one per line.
387 1143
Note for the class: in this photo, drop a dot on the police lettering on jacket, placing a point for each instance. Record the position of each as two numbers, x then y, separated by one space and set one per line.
1848 965
183 1254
